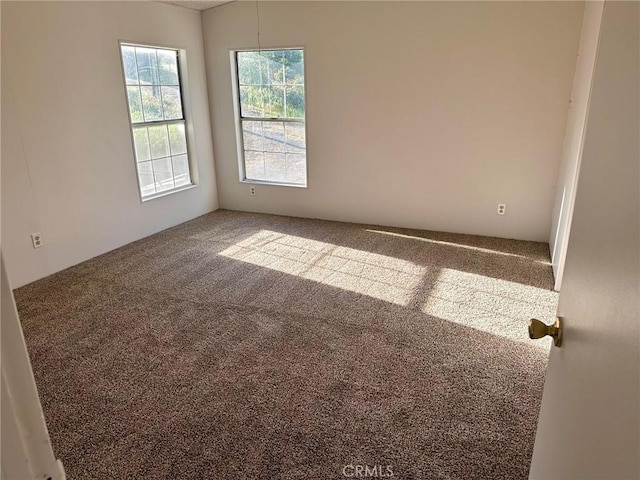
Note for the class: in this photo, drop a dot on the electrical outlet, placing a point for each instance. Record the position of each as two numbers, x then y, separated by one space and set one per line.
252 191
502 208
36 239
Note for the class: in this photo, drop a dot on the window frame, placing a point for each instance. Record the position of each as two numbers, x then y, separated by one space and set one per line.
238 118
181 60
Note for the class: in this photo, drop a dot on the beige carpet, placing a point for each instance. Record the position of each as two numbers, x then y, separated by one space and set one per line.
240 346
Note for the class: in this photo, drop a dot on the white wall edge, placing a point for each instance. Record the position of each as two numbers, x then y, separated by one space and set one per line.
26 447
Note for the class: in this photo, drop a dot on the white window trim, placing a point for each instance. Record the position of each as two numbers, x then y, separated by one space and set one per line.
238 118
183 72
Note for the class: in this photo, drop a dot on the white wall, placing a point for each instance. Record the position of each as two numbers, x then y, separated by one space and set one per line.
67 160
419 114
573 138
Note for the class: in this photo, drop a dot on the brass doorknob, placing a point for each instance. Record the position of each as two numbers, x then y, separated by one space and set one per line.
537 329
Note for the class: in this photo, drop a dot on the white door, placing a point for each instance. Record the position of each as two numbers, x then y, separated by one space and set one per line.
589 425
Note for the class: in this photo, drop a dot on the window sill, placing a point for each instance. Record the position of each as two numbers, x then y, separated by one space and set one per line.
169 192
274 184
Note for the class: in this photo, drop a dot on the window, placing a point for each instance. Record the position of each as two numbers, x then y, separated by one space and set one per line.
271 116
154 96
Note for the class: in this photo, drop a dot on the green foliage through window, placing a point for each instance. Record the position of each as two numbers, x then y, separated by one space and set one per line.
271 95
154 98
153 86
271 83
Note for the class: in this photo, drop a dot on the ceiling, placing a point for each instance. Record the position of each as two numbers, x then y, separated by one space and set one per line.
196 4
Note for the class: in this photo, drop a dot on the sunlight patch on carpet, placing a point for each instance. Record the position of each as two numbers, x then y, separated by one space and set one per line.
379 276
492 305
457 245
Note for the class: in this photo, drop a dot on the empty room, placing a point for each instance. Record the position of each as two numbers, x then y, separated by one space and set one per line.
320 240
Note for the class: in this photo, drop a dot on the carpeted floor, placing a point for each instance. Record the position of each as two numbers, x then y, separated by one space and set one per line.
241 346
